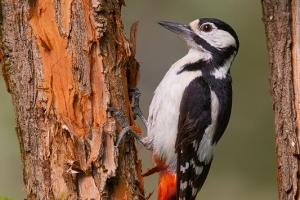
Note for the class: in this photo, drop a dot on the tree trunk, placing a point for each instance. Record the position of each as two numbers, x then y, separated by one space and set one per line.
282 25
64 63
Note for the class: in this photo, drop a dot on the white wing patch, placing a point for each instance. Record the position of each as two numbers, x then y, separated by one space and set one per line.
183 185
194 191
183 168
194 143
206 147
198 170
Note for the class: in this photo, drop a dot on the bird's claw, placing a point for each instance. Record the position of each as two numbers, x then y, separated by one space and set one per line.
126 128
136 93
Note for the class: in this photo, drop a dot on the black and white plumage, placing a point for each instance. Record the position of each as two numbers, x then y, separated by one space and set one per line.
191 106
190 109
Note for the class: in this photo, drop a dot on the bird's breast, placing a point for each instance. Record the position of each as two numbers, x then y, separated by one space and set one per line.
164 113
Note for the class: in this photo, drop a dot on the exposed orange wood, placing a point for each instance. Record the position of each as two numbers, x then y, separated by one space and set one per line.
59 84
66 11
121 191
99 98
90 30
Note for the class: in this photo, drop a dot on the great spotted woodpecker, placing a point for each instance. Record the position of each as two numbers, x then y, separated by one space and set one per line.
191 108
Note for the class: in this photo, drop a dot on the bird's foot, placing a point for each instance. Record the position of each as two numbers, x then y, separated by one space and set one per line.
136 93
126 128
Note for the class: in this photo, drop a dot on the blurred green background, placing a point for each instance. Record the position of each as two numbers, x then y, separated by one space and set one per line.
244 163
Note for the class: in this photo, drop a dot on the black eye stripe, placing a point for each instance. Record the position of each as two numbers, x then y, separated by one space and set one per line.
219 55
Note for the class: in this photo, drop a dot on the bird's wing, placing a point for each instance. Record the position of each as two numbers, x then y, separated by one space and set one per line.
194 119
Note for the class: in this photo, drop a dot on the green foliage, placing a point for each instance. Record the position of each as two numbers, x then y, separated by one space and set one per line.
6 198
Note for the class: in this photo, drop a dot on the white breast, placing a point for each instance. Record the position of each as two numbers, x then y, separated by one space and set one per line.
164 108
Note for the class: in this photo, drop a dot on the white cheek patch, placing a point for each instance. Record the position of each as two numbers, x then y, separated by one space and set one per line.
219 39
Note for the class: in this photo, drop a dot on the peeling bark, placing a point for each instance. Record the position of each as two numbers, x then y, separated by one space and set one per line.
282 25
64 63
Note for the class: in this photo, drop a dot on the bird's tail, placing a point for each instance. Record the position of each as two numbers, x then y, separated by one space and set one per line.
166 185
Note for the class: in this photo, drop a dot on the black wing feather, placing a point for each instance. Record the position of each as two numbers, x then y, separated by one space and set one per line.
195 117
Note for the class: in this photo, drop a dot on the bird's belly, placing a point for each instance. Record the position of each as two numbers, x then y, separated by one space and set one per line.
164 114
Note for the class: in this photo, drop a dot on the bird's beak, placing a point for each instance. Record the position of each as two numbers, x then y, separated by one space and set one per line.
182 30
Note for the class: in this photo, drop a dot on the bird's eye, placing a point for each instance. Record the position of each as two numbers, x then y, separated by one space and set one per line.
206 28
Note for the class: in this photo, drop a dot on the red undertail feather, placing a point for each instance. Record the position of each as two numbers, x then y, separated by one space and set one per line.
167 179
166 185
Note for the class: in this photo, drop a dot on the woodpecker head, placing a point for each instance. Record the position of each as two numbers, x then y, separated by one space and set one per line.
208 35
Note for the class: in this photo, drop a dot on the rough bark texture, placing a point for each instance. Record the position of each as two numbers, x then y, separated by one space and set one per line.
281 20
64 63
